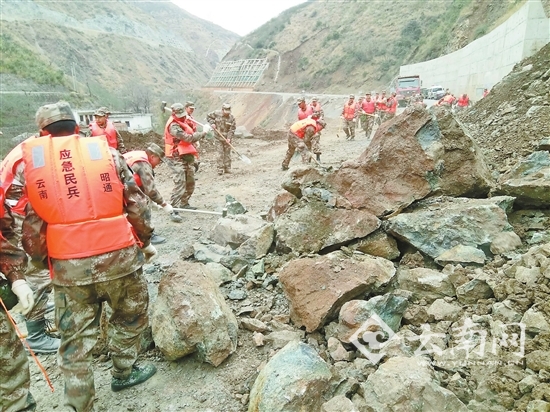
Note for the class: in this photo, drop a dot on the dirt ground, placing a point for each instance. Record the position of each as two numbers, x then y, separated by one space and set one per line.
188 384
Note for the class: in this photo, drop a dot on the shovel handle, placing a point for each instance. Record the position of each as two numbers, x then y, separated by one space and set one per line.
205 212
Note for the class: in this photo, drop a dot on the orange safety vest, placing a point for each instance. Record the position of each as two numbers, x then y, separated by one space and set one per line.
463 102
392 108
73 185
316 107
133 157
368 107
189 121
381 103
182 147
349 111
109 132
299 128
302 114
448 99
7 175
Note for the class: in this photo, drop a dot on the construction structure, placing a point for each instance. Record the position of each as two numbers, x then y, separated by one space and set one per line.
238 74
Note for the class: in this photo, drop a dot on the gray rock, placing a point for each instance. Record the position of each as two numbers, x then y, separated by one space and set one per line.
473 291
425 283
535 321
293 380
408 384
463 255
190 315
437 225
441 310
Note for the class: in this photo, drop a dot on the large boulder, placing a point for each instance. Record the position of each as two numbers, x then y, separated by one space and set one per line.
408 384
311 226
528 181
318 287
295 379
414 155
235 230
439 224
190 315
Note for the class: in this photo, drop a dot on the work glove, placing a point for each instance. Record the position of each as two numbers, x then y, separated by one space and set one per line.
213 126
24 293
206 128
354 120
150 253
168 208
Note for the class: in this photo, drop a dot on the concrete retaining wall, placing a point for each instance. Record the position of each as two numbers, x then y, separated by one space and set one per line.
484 62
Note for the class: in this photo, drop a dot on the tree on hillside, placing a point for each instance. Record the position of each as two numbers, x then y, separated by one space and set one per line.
137 97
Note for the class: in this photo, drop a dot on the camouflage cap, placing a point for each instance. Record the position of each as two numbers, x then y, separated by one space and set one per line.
178 110
52 113
190 104
301 100
352 96
105 110
226 106
155 149
314 99
100 112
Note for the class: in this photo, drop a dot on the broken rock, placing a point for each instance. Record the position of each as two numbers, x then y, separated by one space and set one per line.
318 287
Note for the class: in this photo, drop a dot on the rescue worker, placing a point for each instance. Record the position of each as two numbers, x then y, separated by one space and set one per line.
316 139
369 109
463 102
299 138
89 223
15 377
224 122
178 145
419 101
316 107
391 105
349 114
102 126
446 100
142 163
189 109
12 181
304 110
360 116
485 92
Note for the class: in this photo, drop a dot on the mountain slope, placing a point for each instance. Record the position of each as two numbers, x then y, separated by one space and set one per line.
335 46
107 52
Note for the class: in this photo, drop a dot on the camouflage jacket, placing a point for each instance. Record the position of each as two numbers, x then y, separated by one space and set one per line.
224 124
13 260
98 268
178 134
145 172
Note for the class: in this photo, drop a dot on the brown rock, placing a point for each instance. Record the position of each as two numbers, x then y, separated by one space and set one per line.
318 287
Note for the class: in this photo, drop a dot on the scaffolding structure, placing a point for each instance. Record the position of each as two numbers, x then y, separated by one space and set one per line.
238 73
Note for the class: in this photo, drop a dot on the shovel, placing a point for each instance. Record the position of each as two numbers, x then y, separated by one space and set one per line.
223 139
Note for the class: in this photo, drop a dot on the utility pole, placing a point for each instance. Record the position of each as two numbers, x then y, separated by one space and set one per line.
73 72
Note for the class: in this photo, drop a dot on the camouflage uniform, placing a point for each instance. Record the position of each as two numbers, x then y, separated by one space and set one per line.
14 367
145 172
184 177
302 145
81 285
39 280
226 126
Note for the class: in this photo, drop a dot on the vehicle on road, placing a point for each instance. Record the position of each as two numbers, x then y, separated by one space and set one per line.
436 92
406 87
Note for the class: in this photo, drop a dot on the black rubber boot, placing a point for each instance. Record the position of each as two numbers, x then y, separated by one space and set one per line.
138 375
318 157
37 338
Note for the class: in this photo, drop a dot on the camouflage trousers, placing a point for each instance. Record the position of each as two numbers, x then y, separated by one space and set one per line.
184 180
39 280
223 163
315 143
15 378
349 128
77 315
295 143
367 122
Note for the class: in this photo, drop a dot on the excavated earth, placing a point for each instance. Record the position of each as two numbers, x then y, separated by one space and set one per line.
507 124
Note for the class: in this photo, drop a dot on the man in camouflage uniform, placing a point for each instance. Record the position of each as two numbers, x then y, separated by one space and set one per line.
224 122
101 117
183 152
299 138
142 164
15 378
316 139
13 182
82 283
